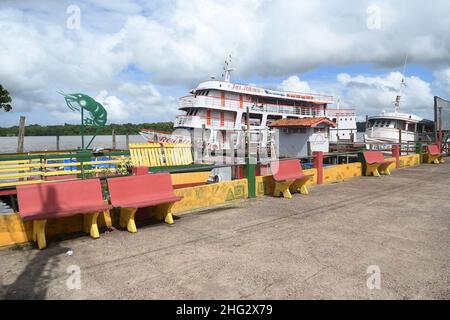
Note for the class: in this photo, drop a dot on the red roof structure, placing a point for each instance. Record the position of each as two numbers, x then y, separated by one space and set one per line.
303 122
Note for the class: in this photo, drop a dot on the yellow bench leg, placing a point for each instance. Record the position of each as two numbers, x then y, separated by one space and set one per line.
168 218
300 186
384 169
372 169
127 219
39 233
107 218
90 224
435 159
164 212
282 188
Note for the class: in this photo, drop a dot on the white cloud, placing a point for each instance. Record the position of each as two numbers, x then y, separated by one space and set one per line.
178 43
293 83
443 80
373 94
116 108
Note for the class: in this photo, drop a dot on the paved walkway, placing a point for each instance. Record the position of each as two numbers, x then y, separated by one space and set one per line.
317 246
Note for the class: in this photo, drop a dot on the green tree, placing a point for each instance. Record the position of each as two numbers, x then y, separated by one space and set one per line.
5 99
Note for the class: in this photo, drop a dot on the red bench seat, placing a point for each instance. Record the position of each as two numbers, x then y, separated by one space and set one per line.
39 202
289 177
140 191
376 164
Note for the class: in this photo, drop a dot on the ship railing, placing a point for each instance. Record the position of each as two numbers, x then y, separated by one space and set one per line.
340 112
216 122
236 104
186 102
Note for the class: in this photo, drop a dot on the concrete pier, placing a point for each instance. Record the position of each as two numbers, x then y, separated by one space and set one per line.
319 246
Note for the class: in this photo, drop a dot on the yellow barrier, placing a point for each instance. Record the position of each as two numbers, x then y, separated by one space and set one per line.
20 172
156 154
146 154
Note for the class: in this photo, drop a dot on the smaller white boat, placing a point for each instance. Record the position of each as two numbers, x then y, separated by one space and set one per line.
397 127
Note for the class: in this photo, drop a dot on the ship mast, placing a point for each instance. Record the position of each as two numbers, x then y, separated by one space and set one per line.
227 70
402 83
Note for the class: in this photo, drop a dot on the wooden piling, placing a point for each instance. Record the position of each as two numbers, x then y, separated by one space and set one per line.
21 135
113 139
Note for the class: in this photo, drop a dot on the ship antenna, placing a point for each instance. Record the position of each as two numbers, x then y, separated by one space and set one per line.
402 83
227 69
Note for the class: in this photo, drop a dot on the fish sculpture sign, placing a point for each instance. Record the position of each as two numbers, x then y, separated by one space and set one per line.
92 112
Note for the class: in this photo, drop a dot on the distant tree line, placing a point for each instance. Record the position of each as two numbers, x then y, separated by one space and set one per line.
73 129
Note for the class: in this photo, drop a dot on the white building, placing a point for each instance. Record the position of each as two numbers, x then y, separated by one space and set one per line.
301 137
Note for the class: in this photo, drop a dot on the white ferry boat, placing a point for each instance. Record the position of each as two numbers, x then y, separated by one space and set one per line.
220 108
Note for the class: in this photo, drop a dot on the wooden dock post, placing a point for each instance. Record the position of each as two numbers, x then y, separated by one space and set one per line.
21 135
57 143
113 139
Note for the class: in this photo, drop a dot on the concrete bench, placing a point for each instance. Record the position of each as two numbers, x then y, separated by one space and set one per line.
40 202
289 177
375 163
434 154
133 192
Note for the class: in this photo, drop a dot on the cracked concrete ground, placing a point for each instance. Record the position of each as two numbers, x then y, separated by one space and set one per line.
310 247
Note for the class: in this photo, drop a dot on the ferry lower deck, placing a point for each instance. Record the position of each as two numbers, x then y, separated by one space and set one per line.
317 246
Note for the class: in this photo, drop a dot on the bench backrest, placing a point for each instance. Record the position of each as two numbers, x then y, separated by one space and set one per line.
140 188
373 156
59 199
282 168
433 149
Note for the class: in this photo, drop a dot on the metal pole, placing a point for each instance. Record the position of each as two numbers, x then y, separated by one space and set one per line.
127 141
82 128
248 132
57 143
440 129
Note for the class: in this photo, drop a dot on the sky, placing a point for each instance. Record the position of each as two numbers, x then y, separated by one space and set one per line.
139 57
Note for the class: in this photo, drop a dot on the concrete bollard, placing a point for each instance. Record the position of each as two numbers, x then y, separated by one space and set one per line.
138 171
396 155
318 164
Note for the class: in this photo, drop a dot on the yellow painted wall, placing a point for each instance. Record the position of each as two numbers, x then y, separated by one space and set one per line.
189 177
210 195
405 161
341 172
13 230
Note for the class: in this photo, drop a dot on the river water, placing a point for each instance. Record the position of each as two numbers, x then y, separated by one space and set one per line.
39 143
